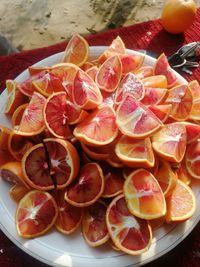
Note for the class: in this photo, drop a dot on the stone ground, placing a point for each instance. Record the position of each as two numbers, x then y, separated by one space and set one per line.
31 24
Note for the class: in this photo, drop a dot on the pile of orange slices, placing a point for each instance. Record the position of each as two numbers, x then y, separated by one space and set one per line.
111 144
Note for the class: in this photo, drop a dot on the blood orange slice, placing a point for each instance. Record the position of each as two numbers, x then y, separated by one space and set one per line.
92 72
114 181
153 96
17 115
129 84
195 89
192 159
131 62
48 83
59 113
144 196
87 188
36 214
96 153
69 217
170 142
129 233
99 128
66 72
26 87
85 93
87 65
109 74
182 173
33 71
94 226
165 177
18 145
17 192
32 121
5 155
53 163
161 111
181 204
144 72
14 99
12 173
180 97
136 120
77 50
117 47
192 130
162 67
135 152
156 81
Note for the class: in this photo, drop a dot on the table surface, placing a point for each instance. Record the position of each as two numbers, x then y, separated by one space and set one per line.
148 36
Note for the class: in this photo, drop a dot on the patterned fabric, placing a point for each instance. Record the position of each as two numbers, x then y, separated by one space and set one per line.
148 36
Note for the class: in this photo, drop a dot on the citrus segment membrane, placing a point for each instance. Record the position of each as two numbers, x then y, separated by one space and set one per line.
130 234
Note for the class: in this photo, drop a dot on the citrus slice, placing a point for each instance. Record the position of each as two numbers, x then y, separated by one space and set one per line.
94 226
156 81
165 177
87 188
153 96
114 181
36 214
109 74
144 72
99 128
26 87
32 121
92 72
53 163
17 192
59 113
162 67
129 84
33 71
181 204
170 142
85 93
48 83
180 97
136 120
5 155
182 173
87 65
69 217
144 196
14 99
66 72
12 173
130 234
157 223
131 62
195 90
192 159
161 111
18 145
77 50
117 47
17 115
135 152
96 153
192 130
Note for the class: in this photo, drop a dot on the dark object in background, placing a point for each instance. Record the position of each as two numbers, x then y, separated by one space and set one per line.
5 47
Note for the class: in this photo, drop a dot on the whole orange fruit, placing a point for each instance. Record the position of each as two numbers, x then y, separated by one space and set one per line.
178 15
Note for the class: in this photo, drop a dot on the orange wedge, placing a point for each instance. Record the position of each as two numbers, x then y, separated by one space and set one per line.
192 159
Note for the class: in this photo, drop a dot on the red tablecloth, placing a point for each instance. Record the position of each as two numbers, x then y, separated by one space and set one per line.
149 36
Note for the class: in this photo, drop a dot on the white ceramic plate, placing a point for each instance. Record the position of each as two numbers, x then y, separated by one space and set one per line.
57 249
